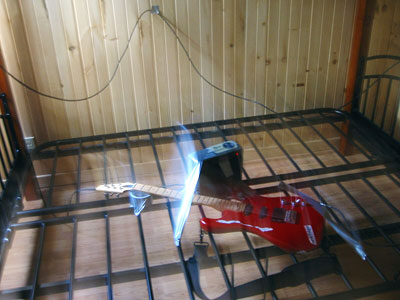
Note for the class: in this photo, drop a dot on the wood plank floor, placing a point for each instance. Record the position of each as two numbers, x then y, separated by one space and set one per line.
125 244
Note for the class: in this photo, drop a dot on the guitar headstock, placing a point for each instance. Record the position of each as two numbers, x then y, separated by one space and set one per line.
115 188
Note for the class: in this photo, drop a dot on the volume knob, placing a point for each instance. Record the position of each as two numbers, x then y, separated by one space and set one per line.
229 145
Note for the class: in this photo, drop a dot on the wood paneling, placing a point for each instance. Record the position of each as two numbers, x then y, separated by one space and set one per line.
289 54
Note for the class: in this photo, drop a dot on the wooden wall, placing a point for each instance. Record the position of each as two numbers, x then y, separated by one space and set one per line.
289 54
385 33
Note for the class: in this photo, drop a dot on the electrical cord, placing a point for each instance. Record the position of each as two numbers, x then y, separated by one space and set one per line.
70 202
204 78
252 100
76 191
93 95
190 61
119 62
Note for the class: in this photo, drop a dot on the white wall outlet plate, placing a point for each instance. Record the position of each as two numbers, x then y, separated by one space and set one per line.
30 142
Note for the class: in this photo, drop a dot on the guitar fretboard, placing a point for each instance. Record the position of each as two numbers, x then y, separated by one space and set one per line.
216 203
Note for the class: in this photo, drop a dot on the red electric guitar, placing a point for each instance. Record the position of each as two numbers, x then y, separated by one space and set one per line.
288 222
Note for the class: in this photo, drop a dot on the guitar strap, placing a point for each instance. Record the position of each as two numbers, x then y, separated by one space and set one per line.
290 276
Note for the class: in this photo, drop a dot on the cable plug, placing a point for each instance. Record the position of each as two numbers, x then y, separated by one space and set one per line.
155 9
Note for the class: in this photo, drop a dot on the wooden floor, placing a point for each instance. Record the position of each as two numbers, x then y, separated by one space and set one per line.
125 243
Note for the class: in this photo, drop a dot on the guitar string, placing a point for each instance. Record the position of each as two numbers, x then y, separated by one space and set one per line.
201 76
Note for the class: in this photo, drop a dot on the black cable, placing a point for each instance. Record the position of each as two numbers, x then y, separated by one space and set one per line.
80 190
252 100
204 78
70 202
192 64
93 95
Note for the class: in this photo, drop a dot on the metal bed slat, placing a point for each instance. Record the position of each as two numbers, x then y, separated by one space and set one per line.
251 248
278 179
382 197
275 126
38 262
73 260
107 227
173 268
52 179
258 263
254 181
383 148
366 97
350 140
310 287
386 103
327 142
337 219
254 254
140 227
179 249
368 217
355 293
280 146
395 116
245 235
308 284
109 262
42 153
302 143
78 175
258 152
210 235
124 211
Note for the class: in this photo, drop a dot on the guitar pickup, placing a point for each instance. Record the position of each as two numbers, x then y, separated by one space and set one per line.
248 209
291 216
263 212
281 215
278 215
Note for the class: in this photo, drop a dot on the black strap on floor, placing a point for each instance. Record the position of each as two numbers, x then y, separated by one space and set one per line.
290 276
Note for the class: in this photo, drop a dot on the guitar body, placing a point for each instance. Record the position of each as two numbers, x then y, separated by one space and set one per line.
288 222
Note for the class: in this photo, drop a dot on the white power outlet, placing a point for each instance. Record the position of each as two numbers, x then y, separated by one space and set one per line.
30 142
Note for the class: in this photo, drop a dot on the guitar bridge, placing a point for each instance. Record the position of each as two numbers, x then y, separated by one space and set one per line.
281 215
291 216
278 215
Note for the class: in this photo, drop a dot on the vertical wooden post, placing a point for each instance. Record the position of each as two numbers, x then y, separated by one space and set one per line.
31 188
359 48
5 88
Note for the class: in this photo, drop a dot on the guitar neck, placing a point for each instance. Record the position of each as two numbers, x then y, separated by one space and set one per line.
216 203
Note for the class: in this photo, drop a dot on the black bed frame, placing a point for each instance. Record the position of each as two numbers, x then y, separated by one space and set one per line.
379 147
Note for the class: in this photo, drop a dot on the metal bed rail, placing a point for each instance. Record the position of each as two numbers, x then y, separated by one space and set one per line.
13 168
376 98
